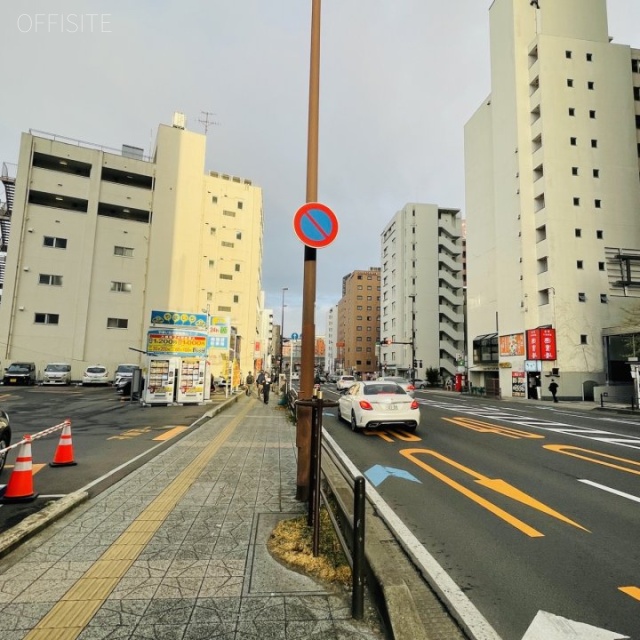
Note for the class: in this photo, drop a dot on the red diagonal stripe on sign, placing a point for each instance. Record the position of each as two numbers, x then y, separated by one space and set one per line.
316 225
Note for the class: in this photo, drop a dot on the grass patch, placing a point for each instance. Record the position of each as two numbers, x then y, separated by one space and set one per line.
291 542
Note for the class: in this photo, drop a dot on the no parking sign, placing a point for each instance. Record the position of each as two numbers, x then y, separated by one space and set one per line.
315 224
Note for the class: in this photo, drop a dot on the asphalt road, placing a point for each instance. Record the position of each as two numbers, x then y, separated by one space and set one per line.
528 507
108 433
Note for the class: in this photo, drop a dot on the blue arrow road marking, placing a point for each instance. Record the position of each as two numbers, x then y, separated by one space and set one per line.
316 225
378 474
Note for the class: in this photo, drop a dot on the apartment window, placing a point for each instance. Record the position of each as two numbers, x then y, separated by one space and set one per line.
117 323
574 171
592 114
231 214
359 307
46 318
596 173
582 297
221 308
236 299
56 243
574 141
597 204
578 233
599 234
125 252
226 276
636 93
601 266
211 264
591 85
569 82
567 54
576 202
589 57
230 245
603 298
54 281
580 264
594 144
572 111
240 205
122 287
359 287
635 66
214 199
583 338
212 231
238 235
209 296
237 267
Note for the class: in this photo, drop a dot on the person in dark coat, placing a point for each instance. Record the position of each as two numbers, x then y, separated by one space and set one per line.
553 387
266 389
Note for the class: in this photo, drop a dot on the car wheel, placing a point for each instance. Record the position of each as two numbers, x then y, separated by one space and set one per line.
354 426
339 414
4 443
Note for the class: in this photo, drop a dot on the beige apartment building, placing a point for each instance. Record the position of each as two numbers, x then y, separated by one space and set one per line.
553 199
422 292
100 238
358 323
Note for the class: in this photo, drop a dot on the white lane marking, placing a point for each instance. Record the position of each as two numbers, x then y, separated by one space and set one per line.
610 490
547 626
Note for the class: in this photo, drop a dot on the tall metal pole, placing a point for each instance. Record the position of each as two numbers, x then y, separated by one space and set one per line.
280 363
413 339
303 426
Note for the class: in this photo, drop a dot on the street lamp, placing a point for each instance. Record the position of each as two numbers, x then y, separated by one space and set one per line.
280 367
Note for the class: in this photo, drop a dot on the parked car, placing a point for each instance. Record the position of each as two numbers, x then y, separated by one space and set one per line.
219 381
419 383
5 436
95 374
344 382
124 371
374 403
403 382
57 373
20 373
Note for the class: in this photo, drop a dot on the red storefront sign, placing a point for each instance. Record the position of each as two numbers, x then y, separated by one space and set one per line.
541 344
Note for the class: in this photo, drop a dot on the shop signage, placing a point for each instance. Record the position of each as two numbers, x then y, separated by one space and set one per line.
541 344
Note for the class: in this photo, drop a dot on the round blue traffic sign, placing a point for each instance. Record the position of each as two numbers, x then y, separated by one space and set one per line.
294 336
315 224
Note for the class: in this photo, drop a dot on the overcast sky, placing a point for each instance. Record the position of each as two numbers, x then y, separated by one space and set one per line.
399 79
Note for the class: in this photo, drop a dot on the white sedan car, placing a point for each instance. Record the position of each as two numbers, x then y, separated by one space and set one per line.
374 403
95 374
403 382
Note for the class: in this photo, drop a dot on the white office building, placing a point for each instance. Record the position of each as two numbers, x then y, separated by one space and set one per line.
421 302
100 238
331 331
553 201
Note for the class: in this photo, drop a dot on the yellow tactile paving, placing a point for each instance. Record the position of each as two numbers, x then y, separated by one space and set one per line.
68 617
171 433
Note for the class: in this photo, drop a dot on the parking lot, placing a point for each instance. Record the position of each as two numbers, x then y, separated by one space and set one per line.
110 436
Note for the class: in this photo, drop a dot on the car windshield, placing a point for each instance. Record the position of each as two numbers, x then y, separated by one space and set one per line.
96 370
126 368
378 389
17 367
348 378
58 367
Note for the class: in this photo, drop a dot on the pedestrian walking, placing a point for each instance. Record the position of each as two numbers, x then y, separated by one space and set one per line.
260 382
249 383
553 387
266 388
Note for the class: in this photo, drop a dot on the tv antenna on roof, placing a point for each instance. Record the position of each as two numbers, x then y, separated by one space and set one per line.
206 122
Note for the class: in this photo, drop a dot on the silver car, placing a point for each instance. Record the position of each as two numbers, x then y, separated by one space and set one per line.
344 382
57 373
403 382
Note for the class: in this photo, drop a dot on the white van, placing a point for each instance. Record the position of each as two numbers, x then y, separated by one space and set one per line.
57 373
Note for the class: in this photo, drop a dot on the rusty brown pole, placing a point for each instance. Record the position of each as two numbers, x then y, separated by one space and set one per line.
303 426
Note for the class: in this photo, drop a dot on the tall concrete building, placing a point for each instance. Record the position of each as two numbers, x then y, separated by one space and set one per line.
552 199
331 353
422 291
100 238
358 322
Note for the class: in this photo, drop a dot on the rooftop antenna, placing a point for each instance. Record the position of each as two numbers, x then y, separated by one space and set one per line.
206 122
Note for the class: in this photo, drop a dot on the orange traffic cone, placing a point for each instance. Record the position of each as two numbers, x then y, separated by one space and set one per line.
64 453
20 486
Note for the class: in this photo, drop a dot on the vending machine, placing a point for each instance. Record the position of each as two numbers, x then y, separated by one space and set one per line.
159 387
191 380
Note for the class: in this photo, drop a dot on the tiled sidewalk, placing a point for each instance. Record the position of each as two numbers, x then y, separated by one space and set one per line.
177 550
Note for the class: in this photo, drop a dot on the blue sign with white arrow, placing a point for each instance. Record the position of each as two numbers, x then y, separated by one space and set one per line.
379 473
